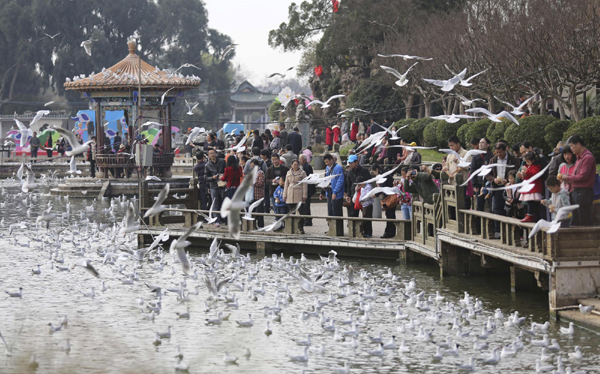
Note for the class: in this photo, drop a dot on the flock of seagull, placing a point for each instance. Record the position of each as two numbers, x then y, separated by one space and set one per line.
347 317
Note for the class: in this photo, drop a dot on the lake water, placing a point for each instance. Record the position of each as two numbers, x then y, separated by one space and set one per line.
109 334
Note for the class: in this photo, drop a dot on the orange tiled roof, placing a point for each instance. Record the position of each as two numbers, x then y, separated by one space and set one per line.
124 75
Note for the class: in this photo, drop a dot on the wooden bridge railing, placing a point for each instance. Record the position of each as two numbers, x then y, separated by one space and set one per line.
334 225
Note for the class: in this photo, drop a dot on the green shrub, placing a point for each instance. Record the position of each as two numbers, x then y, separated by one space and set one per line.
462 133
407 134
531 129
430 134
496 130
555 131
589 130
446 130
478 129
344 150
418 129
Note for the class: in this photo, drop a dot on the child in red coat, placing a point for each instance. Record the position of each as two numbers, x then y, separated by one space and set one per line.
534 196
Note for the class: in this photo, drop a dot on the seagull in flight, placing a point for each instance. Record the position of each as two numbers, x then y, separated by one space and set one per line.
209 219
277 224
525 186
195 132
463 160
248 215
24 131
453 118
407 57
191 108
468 102
402 80
518 110
561 215
448 85
87 265
352 110
162 98
38 116
494 117
52 36
49 103
393 134
232 207
87 45
483 171
280 74
325 104
466 82
150 123
228 49
70 137
186 65
158 207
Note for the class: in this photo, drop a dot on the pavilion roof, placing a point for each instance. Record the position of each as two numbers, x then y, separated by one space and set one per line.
125 75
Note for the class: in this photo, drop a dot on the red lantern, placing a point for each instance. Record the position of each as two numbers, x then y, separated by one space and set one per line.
336 5
319 70
296 101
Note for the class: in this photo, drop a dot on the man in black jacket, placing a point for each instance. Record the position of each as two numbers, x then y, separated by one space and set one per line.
257 141
295 140
214 169
353 172
499 177
277 170
390 227
476 163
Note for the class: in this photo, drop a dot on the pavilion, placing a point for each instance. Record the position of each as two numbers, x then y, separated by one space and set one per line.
114 93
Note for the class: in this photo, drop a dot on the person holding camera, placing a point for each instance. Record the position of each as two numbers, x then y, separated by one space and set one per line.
421 183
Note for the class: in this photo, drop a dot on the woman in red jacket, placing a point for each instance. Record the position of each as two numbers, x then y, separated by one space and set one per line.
354 130
232 175
534 196
329 137
336 134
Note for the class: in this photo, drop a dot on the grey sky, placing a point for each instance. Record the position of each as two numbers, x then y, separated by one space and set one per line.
248 23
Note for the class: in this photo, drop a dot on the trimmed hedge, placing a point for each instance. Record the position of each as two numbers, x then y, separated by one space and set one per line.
531 129
589 130
407 134
430 134
446 130
418 128
462 133
478 129
496 130
555 130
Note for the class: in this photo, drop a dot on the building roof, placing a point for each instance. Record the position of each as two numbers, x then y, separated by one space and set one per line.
247 93
125 75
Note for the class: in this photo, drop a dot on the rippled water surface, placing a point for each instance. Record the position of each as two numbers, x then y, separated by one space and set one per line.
110 335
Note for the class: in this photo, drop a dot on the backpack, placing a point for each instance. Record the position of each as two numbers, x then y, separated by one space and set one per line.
597 187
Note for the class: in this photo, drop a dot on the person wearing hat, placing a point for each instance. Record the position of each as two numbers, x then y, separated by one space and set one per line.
276 142
329 136
413 157
354 171
336 133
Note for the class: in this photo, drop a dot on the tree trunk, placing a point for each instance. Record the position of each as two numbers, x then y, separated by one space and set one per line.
543 106
12 85
421 110
575 115
491 105
428 108
409 104
456 107
561 110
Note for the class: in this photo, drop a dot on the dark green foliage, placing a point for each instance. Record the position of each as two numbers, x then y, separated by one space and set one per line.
273 110
418 128
589 130
445 130
555 131
462 133
407 134
374 96
531 129
478 129
496 130
430 134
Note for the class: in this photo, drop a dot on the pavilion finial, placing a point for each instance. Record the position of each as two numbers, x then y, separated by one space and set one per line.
132 47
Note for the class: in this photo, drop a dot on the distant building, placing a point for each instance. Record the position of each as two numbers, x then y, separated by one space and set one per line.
251 106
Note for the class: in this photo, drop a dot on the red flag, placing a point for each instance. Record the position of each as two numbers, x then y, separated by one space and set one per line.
336 5
319 70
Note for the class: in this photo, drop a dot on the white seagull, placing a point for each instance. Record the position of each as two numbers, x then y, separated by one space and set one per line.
158 207
407 57
191 108
232 207
452 118
70 137
73 167
326 103
402 80
87 45
494 117
561 214
518 110
248 215
448 85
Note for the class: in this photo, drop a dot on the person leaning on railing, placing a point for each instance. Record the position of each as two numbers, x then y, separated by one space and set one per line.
421 183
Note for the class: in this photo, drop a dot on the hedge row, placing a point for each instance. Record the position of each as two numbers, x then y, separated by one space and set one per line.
542 131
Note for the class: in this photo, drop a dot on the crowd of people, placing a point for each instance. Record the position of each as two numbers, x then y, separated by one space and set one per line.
568 176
